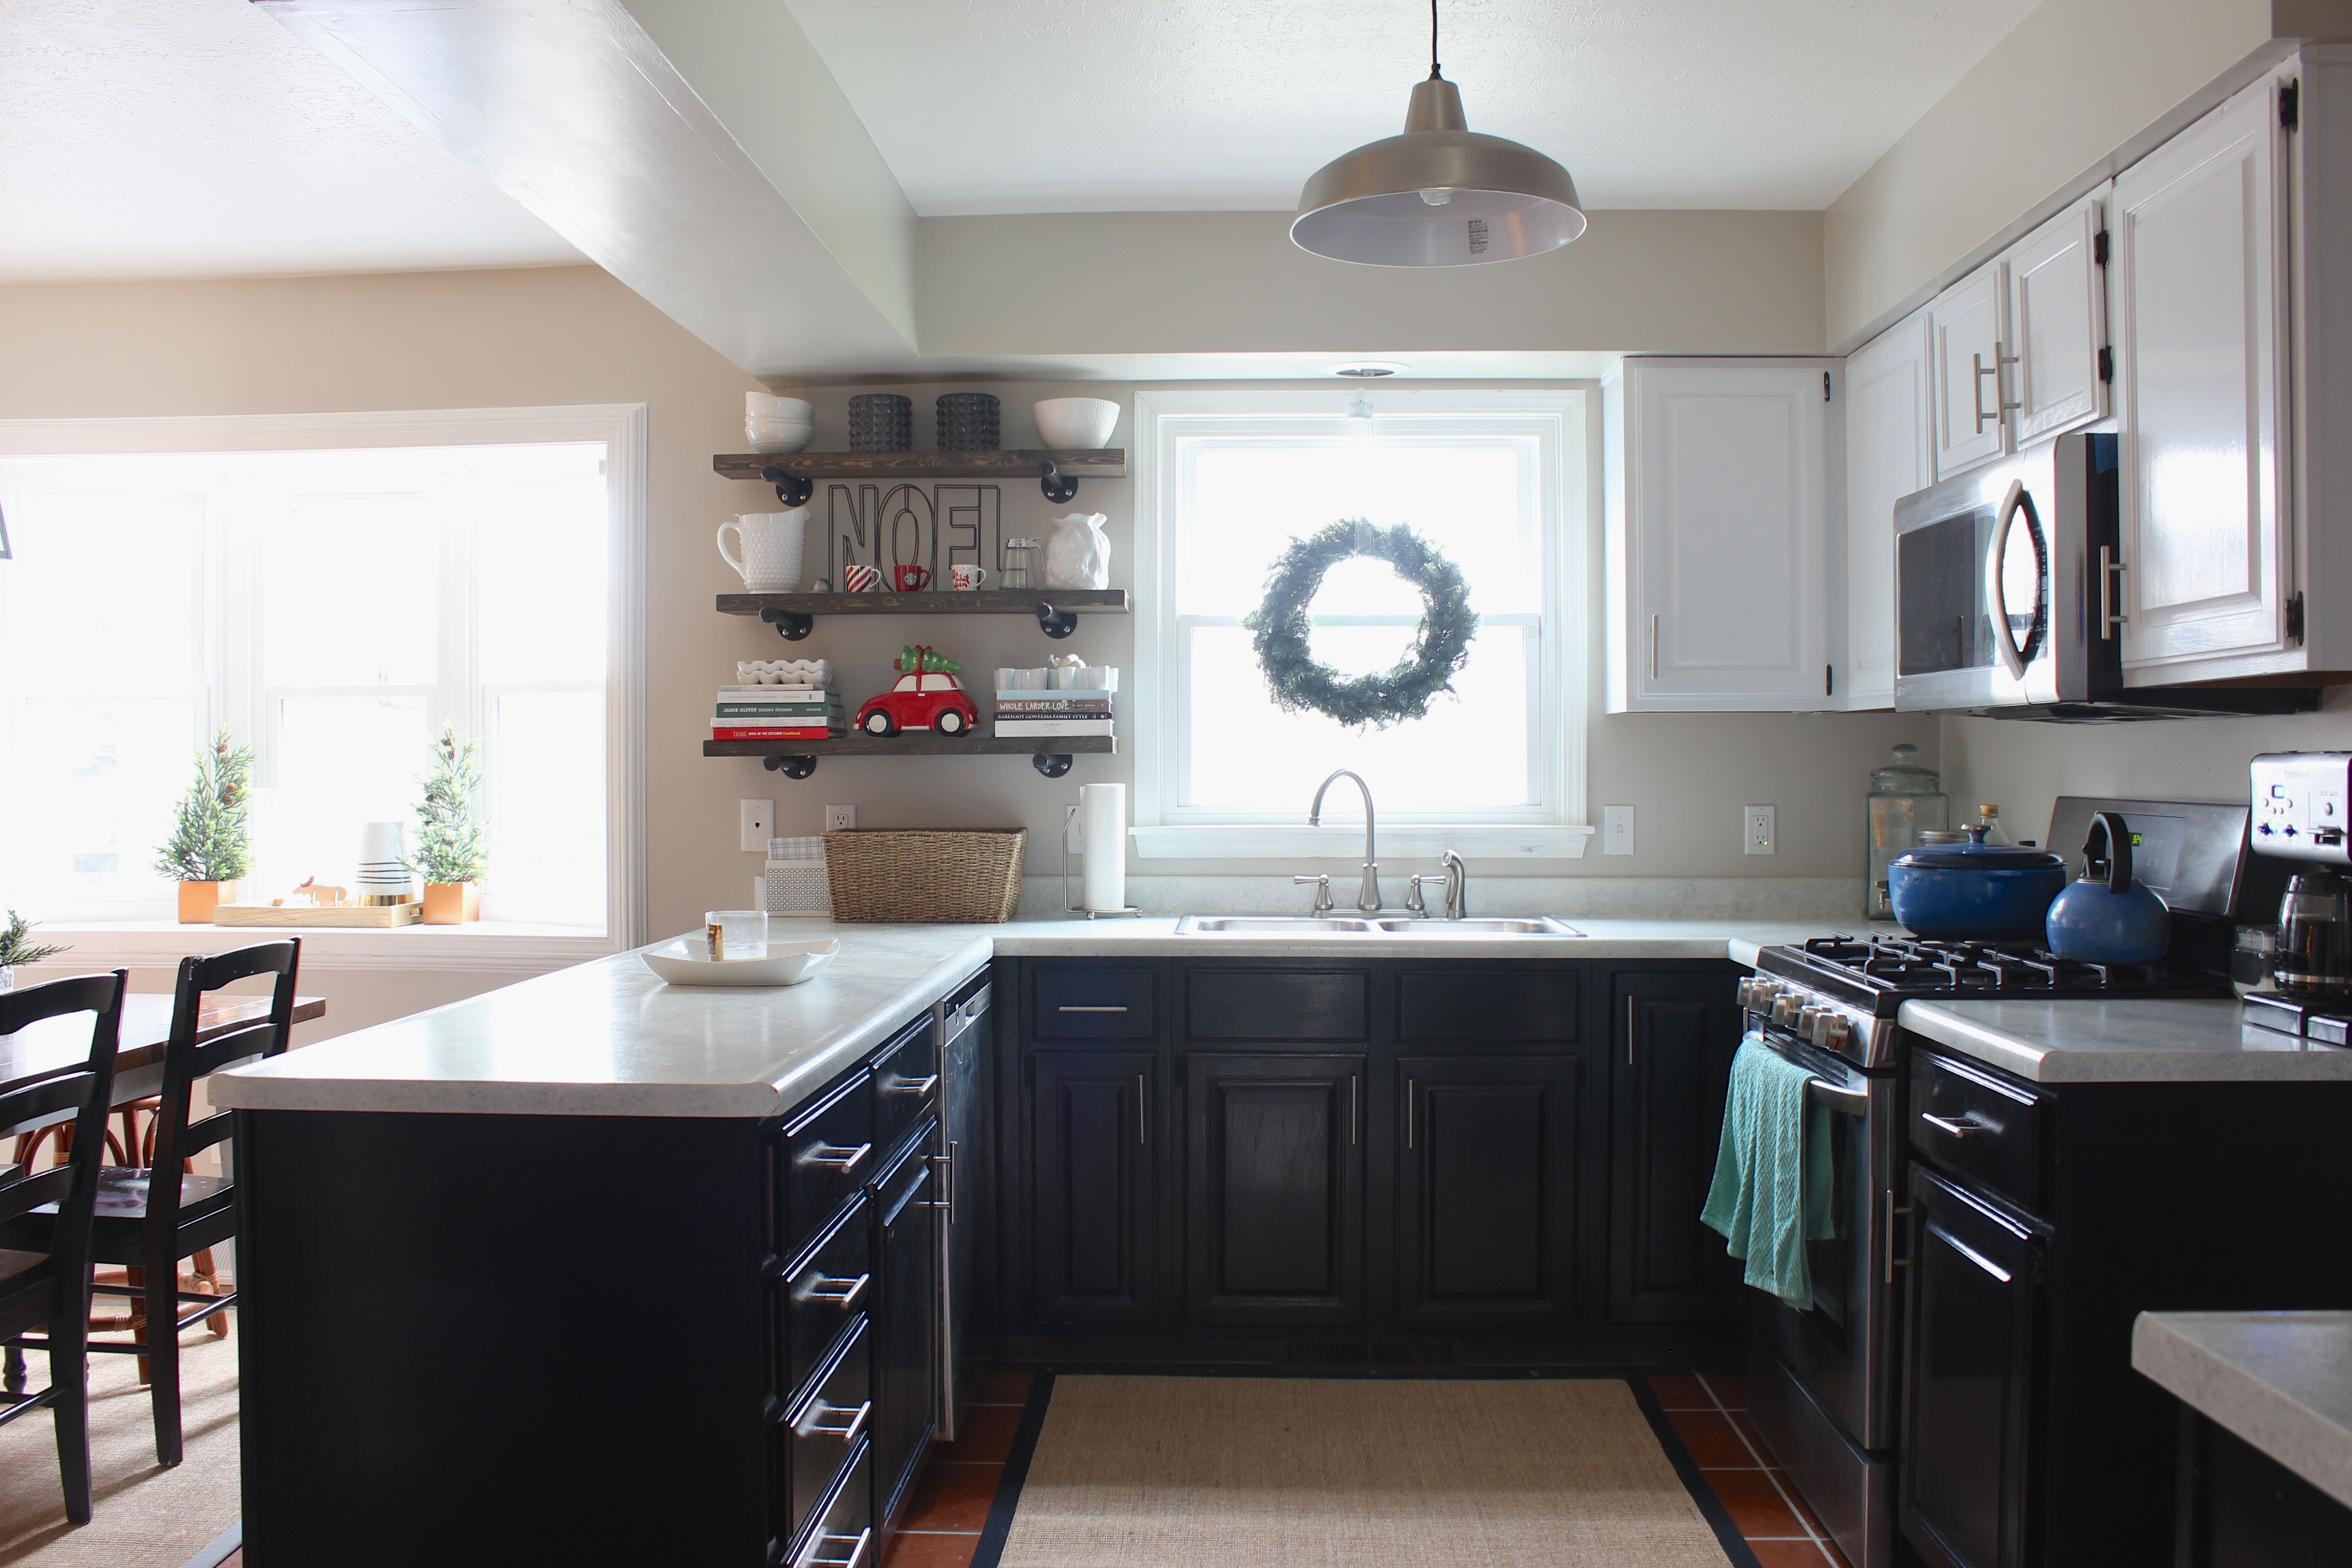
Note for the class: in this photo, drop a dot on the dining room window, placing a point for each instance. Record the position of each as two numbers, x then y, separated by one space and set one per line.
1494 479
332 609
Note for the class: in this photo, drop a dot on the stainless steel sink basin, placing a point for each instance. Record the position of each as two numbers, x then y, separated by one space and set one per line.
1359 925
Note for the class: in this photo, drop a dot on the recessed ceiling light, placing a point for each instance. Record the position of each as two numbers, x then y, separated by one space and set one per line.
1368 369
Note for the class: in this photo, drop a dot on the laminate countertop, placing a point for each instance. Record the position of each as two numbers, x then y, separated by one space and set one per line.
610 1038
2148 1040
2282 1381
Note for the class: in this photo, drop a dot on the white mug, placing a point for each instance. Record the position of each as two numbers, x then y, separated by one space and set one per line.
967 576
770 562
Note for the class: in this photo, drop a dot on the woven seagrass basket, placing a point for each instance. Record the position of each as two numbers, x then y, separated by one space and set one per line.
925 875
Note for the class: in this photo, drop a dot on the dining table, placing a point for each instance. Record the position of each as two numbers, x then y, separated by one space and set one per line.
41 1049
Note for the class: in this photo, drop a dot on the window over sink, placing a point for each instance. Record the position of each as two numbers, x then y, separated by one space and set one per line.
330 595
1497 481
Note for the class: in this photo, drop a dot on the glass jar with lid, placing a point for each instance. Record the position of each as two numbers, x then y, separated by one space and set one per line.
1905 798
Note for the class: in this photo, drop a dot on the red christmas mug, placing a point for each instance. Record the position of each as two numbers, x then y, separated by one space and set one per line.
910 579
857 579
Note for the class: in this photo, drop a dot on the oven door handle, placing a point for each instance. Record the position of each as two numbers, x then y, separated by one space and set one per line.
1845 1101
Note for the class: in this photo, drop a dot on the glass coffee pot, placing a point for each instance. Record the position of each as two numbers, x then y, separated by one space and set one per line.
2315 937
1905 799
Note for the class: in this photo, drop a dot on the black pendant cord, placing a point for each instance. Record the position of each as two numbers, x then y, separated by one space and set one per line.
1433 72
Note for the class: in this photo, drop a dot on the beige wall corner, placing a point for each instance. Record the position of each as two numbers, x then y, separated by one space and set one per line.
2039 119
1077 284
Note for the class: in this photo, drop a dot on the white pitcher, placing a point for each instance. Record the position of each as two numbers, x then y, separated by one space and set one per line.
770 563
1077 552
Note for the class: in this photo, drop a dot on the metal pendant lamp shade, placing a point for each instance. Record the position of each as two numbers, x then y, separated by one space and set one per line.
1439 195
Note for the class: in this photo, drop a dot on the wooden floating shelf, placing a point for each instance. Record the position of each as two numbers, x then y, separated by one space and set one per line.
1103 463
1028 601
797 759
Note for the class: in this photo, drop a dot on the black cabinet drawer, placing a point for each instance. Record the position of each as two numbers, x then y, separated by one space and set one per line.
828 1154
1459 1003
1096 1004
822 1294
906 1081
1276 1004
828 1430
841 1533
1980 1126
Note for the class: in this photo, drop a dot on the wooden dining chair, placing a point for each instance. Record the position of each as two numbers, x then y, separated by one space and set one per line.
50 1287
148 1218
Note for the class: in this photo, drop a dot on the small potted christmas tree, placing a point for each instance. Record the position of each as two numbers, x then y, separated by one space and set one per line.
17 946
450 856
210 850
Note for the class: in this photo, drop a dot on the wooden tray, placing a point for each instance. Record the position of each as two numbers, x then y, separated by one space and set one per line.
370 917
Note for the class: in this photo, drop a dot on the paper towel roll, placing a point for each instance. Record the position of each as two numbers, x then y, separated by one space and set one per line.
1102 824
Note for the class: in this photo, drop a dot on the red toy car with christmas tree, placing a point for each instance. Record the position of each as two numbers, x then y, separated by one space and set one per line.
927 696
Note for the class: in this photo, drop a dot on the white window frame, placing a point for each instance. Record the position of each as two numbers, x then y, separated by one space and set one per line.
490 946
1558 830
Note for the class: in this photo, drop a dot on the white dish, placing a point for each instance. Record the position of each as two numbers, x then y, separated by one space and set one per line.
787 963
1076 424
778 446
767 405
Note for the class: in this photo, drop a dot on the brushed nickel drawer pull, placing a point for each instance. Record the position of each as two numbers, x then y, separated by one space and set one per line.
911 1085
1965 1125
810 1554
833 1292
1089 1009
814 1423
836 1157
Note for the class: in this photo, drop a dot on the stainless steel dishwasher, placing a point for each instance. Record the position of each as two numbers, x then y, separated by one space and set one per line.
965 1159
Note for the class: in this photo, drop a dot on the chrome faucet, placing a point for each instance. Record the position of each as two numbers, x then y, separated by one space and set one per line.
1368 900
1458 886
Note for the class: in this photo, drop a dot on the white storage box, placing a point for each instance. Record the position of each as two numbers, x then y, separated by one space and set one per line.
793 881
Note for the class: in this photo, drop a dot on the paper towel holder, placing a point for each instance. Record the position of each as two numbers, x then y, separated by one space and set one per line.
1069 815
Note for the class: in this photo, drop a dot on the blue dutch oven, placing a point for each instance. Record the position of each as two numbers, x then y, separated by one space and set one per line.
1975 891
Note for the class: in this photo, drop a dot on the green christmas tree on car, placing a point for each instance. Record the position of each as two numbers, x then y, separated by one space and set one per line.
925 696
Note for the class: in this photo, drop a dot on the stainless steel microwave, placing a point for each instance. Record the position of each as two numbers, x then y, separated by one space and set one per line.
2005 597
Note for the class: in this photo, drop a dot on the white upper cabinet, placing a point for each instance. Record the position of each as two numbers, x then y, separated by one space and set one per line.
1890 452
2200 363
1967 322
2057 325
1719 567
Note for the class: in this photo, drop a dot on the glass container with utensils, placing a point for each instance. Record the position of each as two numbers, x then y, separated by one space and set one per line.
1907 800
735 933
1021 564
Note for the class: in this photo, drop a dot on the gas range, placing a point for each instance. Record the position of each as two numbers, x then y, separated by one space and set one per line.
1840 993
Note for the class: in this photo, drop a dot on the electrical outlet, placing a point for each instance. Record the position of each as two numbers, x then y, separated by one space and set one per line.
840 818
759 824
1616 830
1757 830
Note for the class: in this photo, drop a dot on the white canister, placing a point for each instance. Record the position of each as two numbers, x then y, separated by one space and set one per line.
1077 551
770 563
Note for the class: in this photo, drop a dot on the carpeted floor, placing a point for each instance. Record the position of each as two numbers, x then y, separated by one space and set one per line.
145 1516
1317 1473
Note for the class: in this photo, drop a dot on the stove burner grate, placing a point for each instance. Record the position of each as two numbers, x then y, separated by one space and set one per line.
1889 964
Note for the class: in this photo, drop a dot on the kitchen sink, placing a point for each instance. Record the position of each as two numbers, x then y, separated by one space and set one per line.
1362 925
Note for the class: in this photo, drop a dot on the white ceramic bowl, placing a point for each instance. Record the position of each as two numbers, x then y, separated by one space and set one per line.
1076 424
787 963
770 440
763 405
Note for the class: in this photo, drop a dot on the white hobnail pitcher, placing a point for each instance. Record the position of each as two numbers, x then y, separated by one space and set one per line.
770 563
1077 551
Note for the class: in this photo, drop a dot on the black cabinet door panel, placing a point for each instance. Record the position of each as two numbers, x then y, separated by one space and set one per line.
1491 1006
1672 1038
1275 1221
1095 1185
907 1318
1276 1004
1486 1221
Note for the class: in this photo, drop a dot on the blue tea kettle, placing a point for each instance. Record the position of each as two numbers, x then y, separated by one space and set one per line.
2105 917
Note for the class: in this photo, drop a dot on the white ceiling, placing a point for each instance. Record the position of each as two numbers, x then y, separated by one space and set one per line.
186 137
1111 105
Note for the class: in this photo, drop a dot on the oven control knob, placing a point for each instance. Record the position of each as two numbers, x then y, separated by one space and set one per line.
1746 990
1806 1017
1785 1007
1830 1030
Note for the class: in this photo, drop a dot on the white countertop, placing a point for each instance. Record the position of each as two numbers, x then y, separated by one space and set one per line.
610 1038
2282 1381
2083 1040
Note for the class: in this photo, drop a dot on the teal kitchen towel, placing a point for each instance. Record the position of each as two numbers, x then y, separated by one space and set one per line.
1772 1179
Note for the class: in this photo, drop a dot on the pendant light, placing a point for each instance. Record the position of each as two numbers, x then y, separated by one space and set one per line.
1439 195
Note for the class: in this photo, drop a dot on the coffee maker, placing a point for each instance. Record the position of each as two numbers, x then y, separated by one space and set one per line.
2301 811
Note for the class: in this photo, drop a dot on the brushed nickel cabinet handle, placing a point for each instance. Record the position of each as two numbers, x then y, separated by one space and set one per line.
833 1292
1408 1113
812 1555
1653 647
1142 1136
1071 1009
911 1085
1355 1133
1965 1125
837 1157
817 1421
1631 1003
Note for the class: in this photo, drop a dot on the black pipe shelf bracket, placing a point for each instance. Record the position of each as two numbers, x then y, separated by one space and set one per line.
792 490
1053 765
793 625
790 767
1056 624
1058 487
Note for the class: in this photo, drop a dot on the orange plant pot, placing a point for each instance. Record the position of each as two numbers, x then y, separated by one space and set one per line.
199 900
452 903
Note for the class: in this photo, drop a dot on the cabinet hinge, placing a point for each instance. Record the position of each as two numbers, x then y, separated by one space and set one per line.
2099 247
2291 105
2107 365
1825 386
2294 619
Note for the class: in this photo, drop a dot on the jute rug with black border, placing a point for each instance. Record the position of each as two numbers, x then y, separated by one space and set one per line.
1161 1472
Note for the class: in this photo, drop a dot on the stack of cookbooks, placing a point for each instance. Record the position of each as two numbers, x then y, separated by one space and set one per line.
1049 715
778 713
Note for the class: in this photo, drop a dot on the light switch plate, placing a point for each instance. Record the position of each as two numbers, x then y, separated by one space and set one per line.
1616 830
759 824
840 818
1756 828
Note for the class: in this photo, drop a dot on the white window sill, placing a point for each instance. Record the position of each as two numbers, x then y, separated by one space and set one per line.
510 946
1345 841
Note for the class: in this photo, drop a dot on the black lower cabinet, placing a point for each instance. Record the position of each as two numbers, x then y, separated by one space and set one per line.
1969 1378
1487 1191
1673 1036
905 1363
2242 1509
1095 1187
1274 1188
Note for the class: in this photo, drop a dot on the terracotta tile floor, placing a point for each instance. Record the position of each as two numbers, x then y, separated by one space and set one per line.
950 1507
1710 1412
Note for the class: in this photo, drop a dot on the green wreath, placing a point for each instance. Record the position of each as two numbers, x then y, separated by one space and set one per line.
1281 623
